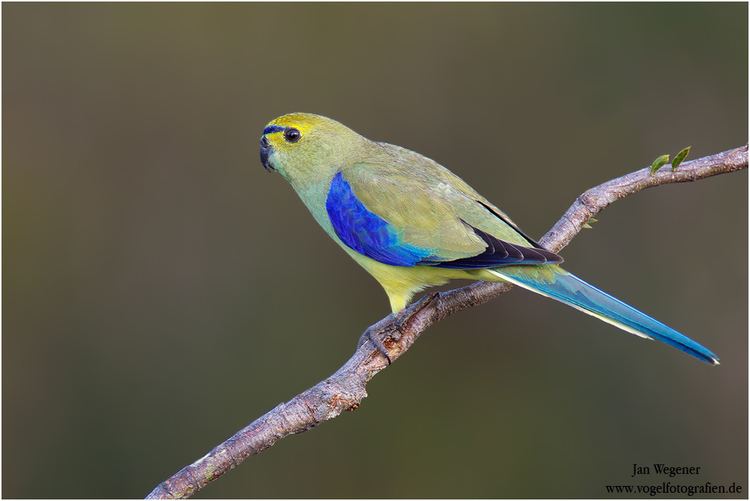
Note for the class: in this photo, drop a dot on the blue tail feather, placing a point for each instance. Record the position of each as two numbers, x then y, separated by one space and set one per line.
571 290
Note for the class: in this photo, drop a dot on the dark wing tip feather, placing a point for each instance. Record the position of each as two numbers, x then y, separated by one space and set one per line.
500 253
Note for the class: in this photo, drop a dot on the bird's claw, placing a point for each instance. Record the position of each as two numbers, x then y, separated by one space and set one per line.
372 336
400 323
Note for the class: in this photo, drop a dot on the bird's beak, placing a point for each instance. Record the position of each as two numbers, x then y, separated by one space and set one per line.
265 152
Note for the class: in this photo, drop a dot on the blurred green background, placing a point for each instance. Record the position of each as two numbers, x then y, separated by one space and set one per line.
156 299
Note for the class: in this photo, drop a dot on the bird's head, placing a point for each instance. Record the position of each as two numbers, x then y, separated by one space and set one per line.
304 147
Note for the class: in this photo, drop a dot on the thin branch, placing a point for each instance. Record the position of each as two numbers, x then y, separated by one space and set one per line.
346 388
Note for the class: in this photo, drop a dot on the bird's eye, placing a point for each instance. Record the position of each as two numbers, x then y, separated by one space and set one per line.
292 135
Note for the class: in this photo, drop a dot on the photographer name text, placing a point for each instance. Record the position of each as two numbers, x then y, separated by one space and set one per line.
664 469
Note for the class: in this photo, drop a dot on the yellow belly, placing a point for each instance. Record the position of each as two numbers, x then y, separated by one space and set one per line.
402 282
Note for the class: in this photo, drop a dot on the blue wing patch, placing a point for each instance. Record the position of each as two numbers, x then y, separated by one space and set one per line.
371 235
365 231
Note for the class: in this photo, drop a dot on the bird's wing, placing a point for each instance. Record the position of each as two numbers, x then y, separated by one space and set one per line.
425 216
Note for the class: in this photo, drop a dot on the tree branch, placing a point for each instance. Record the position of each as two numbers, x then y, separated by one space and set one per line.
346 388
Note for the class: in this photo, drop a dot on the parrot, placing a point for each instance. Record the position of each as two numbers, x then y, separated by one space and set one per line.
412 223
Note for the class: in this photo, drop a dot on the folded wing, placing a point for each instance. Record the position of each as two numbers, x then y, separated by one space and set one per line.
424 220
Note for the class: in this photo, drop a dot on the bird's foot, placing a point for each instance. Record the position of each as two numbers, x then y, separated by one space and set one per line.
380 337
372 335
400 327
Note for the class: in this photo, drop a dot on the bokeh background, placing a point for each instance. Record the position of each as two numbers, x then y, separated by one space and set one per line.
161 290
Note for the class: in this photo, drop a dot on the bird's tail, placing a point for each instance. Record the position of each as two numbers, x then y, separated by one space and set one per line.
556 283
